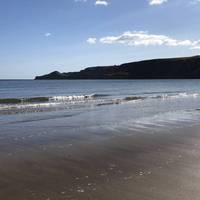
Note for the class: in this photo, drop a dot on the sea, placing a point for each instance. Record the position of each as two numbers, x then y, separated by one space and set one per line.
103 105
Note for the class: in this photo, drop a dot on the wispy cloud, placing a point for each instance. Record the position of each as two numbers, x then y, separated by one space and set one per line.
151 2
47 34
96 2
80 0
194 2
157 2
140 38
92 40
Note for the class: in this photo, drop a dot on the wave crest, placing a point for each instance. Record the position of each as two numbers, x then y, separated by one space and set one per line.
176 95
49 99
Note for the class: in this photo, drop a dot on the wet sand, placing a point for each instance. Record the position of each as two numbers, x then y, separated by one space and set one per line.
160 165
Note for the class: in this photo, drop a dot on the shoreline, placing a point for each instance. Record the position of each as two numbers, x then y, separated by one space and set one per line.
154 165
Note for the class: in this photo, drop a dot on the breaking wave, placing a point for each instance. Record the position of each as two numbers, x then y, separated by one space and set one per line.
177 95
50 99
42 104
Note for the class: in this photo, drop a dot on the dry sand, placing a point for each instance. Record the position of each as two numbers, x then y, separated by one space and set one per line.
160 166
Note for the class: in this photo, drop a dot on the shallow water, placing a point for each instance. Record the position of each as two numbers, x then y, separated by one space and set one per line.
99 139
96 102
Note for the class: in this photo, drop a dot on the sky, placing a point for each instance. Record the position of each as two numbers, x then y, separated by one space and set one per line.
38 37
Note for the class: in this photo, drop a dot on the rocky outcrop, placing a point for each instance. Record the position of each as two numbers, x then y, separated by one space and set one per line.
170 68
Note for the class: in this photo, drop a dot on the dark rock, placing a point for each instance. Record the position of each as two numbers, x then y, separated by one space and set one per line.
169 68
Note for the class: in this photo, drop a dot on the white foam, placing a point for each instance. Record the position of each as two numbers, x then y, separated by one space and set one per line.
71 98
178 95
23 106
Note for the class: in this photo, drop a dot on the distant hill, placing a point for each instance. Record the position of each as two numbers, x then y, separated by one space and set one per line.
169 68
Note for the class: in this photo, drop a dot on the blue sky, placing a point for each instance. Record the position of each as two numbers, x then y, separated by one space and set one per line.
37 37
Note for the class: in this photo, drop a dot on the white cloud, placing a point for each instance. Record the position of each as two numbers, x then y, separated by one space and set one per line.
80 0
101 3
47 34
194 2
157 2
196 45
140 38
96 2
92 40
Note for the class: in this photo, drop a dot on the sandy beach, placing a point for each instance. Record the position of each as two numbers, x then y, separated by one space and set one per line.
151 165
99 100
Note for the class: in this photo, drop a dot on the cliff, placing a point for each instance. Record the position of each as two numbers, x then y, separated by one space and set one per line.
169 68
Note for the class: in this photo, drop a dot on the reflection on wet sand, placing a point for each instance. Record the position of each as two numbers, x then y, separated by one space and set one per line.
50 164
